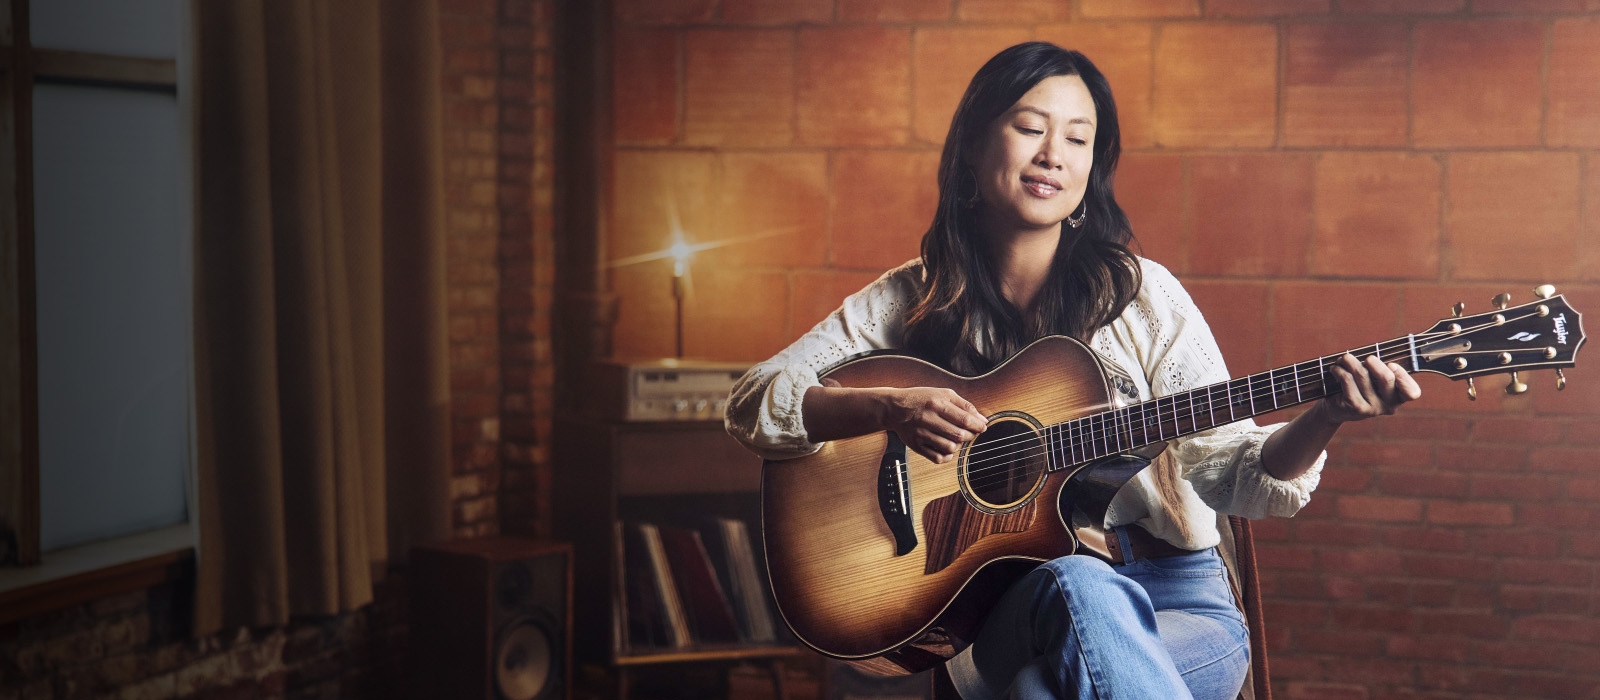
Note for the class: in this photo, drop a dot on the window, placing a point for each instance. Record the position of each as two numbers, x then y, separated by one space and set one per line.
95 125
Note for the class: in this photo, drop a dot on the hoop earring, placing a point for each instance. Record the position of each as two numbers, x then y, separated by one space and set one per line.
968 200
1075 223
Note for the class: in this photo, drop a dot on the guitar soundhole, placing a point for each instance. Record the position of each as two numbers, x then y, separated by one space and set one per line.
1003 468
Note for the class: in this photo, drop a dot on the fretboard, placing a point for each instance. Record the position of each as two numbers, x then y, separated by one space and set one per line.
1129 428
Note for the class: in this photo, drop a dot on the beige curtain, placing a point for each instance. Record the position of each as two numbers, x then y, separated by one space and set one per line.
321 381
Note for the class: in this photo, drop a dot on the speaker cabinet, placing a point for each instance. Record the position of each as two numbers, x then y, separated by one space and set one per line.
491 619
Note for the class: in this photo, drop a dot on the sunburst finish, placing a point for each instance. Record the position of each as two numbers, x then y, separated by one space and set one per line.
830 554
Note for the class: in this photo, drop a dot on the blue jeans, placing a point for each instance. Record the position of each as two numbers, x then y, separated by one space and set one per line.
1077 627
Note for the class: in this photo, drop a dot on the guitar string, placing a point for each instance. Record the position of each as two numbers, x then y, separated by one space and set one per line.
1112 434
1384 346
1264 391
1084 434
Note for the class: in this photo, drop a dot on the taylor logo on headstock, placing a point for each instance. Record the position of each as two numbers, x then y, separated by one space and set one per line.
1561 328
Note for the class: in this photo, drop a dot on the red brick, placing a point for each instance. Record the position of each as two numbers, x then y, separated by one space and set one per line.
655 190
1520 6
1318 690
1589 241
1518 487
776 11
1521 654
1295 614
1286 558
1012 10
1519 430
1584 432
1481 514
1250 216
1573 118
1427 539
1265 8
1413 427
736 315
1423 484
1149 187
772 209
1557 628
1237 314
1215 99
854 86
882 201
1563 459
738 87
1140 8
1374 619
1342 642
1560 573
815 294
1335 532
1545 185
1311 320
645 86
1482 458
1448 567
1391 455
894 10
1580 489
1431 647
1345 479
665 11
1374 562
1345 85
1122 53
1465 624
1367 202
1380 508
1476 84
945 60
1400 6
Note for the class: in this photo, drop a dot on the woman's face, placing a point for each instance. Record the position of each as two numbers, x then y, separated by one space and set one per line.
1033 163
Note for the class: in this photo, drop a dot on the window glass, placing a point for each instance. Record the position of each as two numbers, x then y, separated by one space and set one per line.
112 259
143 28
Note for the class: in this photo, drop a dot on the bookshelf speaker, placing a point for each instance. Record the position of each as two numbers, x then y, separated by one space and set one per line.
491 619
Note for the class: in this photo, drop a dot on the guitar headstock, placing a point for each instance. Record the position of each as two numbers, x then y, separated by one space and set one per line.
1542 334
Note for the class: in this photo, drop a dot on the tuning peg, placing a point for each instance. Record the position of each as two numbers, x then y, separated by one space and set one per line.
1544 291
1500 301
1472 390
1561 380
1517 386
1458 308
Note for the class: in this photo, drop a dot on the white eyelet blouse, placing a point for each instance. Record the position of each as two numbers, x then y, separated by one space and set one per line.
1161 333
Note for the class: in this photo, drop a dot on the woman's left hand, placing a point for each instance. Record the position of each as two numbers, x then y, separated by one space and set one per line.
1367 389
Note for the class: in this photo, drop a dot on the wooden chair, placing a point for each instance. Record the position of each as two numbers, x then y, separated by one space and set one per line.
1239 553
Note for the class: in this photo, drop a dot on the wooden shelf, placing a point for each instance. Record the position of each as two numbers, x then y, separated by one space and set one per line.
729 652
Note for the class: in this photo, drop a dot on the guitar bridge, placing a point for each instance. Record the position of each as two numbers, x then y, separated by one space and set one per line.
894 495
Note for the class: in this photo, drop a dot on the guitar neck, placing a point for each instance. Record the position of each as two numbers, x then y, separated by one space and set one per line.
1145 423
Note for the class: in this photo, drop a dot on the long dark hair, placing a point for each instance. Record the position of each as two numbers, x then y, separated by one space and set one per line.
963 320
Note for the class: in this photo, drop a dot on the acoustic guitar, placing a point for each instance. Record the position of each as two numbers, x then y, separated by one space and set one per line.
880 557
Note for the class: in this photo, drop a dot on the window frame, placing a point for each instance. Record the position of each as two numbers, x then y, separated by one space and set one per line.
30 582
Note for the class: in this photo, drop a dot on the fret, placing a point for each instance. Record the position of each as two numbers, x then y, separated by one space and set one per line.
1297 397
1049 448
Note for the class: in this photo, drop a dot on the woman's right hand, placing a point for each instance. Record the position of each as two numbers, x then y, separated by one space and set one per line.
932 422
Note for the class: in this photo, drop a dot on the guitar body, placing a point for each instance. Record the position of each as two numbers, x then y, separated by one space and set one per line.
884 559
841 575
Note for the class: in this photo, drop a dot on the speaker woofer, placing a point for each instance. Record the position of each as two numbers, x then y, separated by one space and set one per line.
525 662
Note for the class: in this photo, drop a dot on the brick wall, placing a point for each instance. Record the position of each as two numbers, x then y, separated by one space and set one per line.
497 100
1320 173
498 130
134 647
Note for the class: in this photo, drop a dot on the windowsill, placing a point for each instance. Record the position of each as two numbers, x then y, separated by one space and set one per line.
88 572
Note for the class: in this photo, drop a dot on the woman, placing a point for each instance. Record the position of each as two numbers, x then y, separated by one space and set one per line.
1028 241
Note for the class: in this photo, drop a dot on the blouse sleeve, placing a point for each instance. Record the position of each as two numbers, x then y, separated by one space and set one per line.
1222 464
764 407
